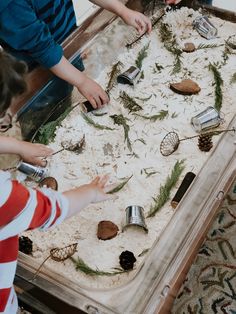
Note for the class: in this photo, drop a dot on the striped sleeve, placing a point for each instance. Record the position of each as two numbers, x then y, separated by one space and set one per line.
24 32
21 209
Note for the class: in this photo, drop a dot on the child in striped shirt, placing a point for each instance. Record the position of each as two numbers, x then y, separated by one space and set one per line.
32 30
24 208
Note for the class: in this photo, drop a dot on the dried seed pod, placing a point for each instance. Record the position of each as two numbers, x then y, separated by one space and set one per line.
205 142
25 245
49 182
127 260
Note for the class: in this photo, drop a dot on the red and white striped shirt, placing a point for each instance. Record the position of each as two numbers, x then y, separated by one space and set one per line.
21 209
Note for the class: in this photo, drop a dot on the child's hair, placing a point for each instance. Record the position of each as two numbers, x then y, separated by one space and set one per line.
12 82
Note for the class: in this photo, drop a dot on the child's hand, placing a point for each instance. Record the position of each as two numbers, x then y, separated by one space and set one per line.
138 20
93 93
172 1
34 153
100 189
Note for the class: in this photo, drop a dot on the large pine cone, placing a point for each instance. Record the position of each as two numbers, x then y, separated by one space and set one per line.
205 142
25 245
127 260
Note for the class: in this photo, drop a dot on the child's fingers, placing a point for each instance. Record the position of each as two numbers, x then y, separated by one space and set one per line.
103 180
110 187
96 180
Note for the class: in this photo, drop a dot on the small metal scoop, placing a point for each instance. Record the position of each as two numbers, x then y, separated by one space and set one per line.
34 172
135 217
130 76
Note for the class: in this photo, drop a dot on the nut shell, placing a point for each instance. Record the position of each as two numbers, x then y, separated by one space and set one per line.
185 87
49 182
106 230
189 47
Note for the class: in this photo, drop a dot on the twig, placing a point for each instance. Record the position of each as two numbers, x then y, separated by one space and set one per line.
218 86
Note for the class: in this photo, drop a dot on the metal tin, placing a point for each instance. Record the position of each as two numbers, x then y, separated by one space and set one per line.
34 172
204 27
130 76
207 119
135 217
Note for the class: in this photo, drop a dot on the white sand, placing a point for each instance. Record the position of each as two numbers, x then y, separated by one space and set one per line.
106 152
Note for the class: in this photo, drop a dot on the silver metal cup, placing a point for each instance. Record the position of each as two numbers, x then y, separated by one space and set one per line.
130 76
34 172
207 119
135 217
204 27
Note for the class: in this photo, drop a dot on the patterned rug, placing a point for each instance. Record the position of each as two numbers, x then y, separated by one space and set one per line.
210 286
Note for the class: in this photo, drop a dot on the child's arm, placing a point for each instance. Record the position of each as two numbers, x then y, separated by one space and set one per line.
87 87
29 152
25 208
130 17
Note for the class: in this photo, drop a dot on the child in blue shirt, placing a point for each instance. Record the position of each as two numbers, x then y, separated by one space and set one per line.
32 30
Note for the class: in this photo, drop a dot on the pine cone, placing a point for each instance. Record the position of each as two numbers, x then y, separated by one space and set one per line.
127 260
205 142
25 245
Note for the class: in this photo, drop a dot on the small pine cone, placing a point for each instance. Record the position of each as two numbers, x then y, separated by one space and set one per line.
205 142
25 245
127 260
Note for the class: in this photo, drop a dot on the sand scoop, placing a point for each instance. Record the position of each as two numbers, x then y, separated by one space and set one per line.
58 255
171 141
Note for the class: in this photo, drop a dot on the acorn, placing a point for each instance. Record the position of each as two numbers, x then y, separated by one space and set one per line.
25 245
49 182
127 260
205 142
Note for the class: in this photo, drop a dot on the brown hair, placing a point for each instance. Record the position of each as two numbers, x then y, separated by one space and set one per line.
12 82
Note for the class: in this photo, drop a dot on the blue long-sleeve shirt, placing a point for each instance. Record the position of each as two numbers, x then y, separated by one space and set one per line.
32 30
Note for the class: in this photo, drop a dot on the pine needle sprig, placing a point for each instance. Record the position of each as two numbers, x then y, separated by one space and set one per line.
94 124
120 186
47 132
86 269
233 79
170 43
164 192
160 116
121 120
129 103
141 56
208 46
115 71
165 33
218 86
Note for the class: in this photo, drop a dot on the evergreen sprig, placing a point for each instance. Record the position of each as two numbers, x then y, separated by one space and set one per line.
208 46
160 116
164 192
170 43
94 124
119 186
129 103
121 120
233 79
218 86
47 132
115 71
141 56
86 269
